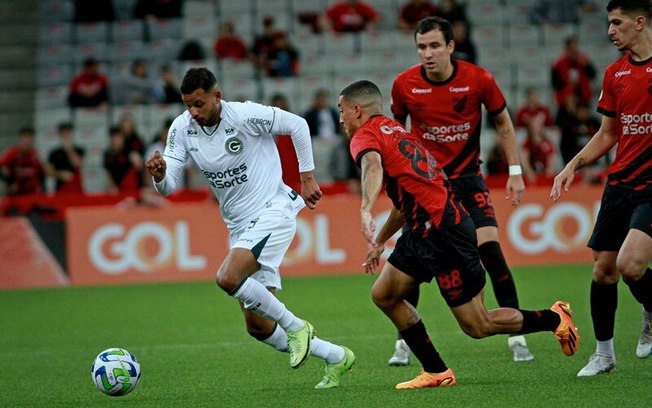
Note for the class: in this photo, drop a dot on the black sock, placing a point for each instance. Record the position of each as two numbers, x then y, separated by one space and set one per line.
604 301
502 280
539 320
413 299
642 289
423 349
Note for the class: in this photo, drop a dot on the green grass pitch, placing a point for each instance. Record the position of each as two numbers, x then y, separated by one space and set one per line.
194 352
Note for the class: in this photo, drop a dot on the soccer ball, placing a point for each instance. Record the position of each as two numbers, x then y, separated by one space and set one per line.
115 372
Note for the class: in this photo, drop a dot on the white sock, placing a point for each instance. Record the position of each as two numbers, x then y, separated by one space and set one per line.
262 302
278 339
605 347
331 353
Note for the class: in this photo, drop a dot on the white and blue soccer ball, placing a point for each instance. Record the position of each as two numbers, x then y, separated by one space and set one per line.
115 372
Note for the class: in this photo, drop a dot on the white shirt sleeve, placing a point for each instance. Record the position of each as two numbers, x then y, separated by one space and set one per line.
175 156
286 123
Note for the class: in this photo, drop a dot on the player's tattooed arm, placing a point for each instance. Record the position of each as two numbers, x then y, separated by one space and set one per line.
580 163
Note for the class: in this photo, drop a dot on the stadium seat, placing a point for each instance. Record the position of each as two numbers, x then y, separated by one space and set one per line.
56 33
124 9
92 32
98 50
201 26
53 75
51 97
554 35
45 118
289 87
56 10
486 13
127 30
54 54
524 35
128 51
158 29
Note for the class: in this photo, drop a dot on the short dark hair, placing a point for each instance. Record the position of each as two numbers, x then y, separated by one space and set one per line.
632 6
26 130
197 78
435 23
361 88
63 126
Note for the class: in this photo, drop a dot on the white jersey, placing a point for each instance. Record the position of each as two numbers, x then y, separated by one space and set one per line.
238 158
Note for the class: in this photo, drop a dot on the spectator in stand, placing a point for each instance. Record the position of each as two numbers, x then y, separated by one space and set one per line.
265 42
497 164
532 109
133 141
572 73
576 125
323 120
413 11
464 47
167 89
134 87
283 59
65 162
191 50
146 9
537 152
123 168
560 11
94 11
230 45
350 16
342 167
452 11
21 167
89 88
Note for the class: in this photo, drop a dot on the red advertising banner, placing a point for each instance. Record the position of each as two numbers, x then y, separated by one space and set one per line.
189 241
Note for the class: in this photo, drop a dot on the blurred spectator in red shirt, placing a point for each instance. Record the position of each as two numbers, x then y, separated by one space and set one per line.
572 73
350 16
533 108
21 167
537 152
89 88
229 45
65 162
413 11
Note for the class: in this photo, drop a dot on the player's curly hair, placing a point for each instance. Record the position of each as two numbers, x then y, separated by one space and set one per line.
197 78
435 23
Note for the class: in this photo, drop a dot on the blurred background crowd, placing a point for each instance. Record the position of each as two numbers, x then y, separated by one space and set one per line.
89 94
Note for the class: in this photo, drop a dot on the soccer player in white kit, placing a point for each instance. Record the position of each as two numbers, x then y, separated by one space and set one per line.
232 145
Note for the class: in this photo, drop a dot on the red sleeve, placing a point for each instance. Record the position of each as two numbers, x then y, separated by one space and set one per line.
492 96
363 141
368 11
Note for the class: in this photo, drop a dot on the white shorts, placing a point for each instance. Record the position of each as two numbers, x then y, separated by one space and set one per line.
269 236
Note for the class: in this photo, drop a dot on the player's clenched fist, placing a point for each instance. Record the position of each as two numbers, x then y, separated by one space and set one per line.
156 166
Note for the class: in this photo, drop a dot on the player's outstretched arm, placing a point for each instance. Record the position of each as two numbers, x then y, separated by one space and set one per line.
515 184
371 183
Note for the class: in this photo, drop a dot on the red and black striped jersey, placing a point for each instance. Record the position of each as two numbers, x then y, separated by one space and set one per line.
627 98
447 116
413 181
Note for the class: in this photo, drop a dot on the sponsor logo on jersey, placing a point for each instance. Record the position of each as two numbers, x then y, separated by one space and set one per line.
192 133
621 73
388 130
447 134
460 89
172 140
648 70
194 149
233 145
636 124
227 178
229 131
460 104
259 121
421 91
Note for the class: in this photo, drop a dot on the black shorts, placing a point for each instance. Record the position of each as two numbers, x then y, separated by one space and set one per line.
621 209
473 192
449 254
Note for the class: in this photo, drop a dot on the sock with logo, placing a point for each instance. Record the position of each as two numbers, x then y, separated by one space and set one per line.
423 349
261 301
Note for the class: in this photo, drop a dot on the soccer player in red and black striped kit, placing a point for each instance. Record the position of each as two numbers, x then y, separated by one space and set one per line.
438 240
622 236
443 98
